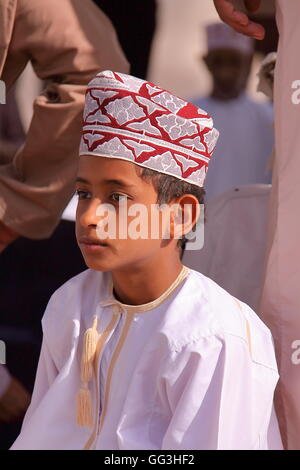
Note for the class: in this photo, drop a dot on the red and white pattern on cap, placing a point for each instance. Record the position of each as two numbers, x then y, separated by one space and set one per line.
129 118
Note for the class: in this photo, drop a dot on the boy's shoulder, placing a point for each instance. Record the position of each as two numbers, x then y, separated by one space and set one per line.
79 281
213 309
80 293
70 310
208 310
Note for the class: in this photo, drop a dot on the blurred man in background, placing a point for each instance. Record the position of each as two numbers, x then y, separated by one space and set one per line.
243 158
236 228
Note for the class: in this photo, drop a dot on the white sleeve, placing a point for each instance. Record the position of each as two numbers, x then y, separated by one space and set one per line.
47 369
219 397
45 376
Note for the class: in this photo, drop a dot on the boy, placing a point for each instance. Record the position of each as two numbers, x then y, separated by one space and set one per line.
169 360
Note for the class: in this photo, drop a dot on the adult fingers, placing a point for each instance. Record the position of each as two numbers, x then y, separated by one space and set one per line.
239 20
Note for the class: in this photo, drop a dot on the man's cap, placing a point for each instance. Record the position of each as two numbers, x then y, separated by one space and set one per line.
222 36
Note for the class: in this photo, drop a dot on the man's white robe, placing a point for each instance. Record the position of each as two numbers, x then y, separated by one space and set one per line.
280 304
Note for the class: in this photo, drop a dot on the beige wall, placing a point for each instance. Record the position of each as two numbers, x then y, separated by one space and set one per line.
179 44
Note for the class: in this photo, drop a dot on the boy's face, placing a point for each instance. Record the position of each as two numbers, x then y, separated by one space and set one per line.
103 186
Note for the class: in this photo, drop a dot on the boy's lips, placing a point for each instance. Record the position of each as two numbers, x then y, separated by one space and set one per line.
91 242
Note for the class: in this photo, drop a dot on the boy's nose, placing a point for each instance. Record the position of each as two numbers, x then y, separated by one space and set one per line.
88 216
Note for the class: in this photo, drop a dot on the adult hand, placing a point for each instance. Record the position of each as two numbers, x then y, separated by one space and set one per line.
14 402
239 20
7 235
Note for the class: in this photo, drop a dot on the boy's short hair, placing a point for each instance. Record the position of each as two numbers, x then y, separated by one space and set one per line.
168 188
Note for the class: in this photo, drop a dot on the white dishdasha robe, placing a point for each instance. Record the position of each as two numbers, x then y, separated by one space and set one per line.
194 369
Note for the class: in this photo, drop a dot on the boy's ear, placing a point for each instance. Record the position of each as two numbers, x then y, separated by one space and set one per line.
184 215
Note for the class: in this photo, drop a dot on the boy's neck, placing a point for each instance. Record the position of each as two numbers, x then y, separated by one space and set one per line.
146 283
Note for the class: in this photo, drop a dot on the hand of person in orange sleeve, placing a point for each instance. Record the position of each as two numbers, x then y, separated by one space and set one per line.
239 20
14 402
7 235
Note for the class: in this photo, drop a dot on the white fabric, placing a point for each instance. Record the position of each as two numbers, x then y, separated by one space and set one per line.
5 379
235 241
188 375
281 301
70 211
266 75
28 87
244 146
107 356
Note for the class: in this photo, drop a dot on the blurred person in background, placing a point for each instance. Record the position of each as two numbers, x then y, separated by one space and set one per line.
235 232
242 158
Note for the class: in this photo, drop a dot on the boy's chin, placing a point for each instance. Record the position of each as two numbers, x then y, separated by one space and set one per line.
98 265
108 264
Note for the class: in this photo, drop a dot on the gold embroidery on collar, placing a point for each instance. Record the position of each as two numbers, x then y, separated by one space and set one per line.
154 303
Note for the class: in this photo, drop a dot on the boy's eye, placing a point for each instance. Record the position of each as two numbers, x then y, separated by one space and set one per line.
82 194
117 197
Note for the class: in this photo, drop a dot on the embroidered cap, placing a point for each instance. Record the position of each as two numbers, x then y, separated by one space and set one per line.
132 119
222 36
